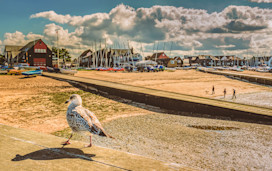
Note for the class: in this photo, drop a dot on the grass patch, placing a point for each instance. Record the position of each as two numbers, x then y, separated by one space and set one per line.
216 128
63 133
60 97
66 133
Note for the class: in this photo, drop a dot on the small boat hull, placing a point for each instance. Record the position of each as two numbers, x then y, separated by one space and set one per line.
34 72
68 71
16 72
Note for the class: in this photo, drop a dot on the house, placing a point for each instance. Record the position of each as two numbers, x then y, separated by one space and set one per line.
161 58
260 60
84 58
203 60
179 61
172 63
10 52
35 53
108 57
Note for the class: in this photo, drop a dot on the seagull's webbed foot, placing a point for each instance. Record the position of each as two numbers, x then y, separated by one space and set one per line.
90 145
66 143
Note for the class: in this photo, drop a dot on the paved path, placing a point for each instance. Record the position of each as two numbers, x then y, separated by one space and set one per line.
251 78
27 150
170 95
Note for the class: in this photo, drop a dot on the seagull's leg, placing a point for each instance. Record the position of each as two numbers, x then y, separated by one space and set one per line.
67 142
90 142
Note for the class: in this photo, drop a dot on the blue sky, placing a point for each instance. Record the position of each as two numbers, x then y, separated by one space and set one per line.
15 17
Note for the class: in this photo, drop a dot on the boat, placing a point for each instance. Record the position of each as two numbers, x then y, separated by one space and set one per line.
170 69
68 71
262 70
42 68
118 69
16 71
32 73
50 69
3 71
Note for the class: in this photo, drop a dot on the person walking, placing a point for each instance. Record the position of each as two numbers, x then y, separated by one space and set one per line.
234 94
213 92
225 92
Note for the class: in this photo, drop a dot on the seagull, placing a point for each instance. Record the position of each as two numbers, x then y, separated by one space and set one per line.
81 119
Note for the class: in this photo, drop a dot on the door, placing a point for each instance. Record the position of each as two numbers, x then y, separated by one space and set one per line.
39 62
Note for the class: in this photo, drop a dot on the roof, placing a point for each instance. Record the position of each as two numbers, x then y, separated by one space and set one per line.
214 58
159 56
85 52
29 45
120 51
15 50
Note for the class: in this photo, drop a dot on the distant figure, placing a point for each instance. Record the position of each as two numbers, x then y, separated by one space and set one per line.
234 94
225 92
213 92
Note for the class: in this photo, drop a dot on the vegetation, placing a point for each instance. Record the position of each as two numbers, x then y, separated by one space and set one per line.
2 59
63 53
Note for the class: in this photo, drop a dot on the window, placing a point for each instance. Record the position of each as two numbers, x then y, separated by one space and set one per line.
40 50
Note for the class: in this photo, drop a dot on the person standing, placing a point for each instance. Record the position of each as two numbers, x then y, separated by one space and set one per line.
234 94
225 92
213 92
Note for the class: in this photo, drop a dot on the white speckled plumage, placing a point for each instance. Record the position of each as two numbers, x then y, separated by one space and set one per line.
81 119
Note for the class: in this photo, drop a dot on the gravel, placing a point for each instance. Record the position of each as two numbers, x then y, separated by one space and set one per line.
263 99
193 142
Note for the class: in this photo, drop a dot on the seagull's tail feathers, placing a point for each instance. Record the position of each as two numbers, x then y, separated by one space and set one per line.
104 134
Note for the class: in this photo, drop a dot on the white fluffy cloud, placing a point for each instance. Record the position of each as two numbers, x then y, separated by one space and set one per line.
262 1
17 38
235 28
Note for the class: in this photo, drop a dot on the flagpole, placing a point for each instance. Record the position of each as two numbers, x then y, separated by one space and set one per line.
58 46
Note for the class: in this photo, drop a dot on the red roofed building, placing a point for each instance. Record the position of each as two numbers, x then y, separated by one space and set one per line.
161 58
35 53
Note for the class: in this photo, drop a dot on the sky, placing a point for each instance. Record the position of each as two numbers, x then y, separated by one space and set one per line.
177 27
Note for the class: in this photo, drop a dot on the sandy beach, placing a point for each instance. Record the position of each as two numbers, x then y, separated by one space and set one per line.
38 103
205 144
191 82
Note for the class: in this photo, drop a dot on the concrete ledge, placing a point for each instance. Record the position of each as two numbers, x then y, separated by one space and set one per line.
174 101
27 150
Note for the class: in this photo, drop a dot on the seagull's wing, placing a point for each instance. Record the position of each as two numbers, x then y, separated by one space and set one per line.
96 123
81 111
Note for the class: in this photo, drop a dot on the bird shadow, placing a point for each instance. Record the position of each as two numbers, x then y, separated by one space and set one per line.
55 153
61 153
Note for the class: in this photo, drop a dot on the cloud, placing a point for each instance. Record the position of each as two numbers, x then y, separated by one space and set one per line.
57 35
17 38
52 16
224 46
235 28
261 1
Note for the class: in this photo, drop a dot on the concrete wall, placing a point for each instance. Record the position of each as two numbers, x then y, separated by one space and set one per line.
178 106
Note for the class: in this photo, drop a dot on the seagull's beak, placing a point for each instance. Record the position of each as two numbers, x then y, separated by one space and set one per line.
67 101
